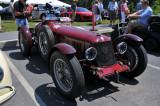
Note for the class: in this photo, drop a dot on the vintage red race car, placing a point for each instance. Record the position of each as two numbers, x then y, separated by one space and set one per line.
71 52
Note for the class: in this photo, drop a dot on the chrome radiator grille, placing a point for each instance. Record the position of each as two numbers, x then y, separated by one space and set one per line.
105 56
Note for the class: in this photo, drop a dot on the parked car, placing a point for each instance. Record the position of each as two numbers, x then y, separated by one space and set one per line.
72 51
82 14
6 89
149 34
38 10
6 12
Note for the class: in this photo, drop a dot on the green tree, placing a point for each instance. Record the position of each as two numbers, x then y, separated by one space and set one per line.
156 7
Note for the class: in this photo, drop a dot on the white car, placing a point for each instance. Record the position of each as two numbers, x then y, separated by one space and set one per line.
6 88
38 10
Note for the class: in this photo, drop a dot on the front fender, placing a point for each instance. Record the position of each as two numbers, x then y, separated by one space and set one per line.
129 37
64 48
26 34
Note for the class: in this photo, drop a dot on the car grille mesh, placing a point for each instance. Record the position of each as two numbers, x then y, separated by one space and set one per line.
105 56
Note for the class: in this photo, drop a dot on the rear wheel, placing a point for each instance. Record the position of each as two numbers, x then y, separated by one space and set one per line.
136 58
150 44
46 40
23 44
67 75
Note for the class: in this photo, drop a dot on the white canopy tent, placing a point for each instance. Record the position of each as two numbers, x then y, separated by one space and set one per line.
57 3
5 1
54 3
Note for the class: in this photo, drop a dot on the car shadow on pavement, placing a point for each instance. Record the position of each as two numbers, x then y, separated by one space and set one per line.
35 63
102 88
155 53
51 97
12 45
94 89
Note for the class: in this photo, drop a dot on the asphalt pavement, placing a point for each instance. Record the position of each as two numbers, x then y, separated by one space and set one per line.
40 89
35 87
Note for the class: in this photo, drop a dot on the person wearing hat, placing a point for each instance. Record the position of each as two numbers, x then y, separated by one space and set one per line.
142 16
20 13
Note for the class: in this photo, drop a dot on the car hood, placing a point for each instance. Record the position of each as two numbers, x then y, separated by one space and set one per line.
79 33
84 13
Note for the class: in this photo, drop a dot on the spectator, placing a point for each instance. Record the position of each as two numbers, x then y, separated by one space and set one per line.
113 10
73 7
119 9
139 5
100 7
29 8
96 12
142 16
124 10
20 13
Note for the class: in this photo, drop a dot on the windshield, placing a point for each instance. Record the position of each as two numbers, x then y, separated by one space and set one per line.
80 9
41 7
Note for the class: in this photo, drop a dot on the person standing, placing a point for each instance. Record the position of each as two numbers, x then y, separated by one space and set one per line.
73 7
139 5
100 6
113 10
124 10
21 13
96 12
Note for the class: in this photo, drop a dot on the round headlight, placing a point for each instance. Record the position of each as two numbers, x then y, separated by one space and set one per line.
91 53
121 47
1 74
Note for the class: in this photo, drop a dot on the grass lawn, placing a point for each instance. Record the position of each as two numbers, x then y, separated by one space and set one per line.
10 25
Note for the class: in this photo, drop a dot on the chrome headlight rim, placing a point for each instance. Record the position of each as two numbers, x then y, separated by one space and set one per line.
90 49
122 47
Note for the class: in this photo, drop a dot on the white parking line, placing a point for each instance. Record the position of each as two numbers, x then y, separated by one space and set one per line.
25 84
153 66
4 41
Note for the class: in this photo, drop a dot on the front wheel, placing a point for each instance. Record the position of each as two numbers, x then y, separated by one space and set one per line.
136 58
67 75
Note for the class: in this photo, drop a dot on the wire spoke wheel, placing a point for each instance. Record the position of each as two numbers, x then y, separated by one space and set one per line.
67 74
63 75
43 43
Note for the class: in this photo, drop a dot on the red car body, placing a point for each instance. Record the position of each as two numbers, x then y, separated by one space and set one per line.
82 14
72 52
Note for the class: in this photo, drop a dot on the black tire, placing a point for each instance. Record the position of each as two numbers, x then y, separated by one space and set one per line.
151 44
46 40
42 16
74 72
136 59
23 44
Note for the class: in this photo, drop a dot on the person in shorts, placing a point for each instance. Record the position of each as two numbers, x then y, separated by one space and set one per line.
113 10
142 16
20 13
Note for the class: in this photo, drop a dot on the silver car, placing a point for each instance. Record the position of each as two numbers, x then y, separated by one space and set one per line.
38 10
